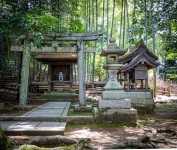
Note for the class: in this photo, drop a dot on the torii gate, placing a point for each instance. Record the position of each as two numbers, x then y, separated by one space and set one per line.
80 38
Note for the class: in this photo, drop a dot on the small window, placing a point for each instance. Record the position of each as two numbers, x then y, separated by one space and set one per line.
112 59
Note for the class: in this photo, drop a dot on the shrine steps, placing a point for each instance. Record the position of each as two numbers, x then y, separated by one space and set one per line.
32 123
68 96
50 118
32 128
10 82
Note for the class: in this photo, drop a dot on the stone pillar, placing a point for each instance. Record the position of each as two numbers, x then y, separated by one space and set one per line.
24 76
112 83
81 73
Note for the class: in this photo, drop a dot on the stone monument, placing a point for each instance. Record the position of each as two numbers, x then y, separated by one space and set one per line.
113 106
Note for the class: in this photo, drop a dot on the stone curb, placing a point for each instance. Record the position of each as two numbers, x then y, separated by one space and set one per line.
68 119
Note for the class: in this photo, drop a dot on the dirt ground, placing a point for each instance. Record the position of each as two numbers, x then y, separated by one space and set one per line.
104 137
160 126
163 120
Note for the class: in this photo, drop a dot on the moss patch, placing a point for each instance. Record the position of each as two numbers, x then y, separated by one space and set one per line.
73 113
103 125
5 144
144 109
33 147
164 106
144 121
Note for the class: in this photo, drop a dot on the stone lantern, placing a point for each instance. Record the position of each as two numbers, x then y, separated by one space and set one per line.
112 65
113 105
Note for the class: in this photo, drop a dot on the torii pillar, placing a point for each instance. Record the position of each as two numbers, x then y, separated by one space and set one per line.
24 75
81 73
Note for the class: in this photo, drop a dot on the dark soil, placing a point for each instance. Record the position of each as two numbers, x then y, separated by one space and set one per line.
8 97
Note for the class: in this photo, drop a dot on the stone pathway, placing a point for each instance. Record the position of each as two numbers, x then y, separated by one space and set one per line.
47 110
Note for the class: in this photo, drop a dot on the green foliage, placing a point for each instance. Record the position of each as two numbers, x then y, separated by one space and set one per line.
4 142
100 73
44 23
172 77
75 25
12 23
38 17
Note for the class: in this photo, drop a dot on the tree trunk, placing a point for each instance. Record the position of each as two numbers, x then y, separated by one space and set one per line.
52 140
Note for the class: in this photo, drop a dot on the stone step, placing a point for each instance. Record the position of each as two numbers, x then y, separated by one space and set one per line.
68 119
59 92
59 97
63 100
33 128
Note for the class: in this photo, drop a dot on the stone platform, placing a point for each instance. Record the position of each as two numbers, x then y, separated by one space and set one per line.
118 104
39 127
137 97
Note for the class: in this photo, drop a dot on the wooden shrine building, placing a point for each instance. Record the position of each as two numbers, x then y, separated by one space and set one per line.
60 67
135 68
58 71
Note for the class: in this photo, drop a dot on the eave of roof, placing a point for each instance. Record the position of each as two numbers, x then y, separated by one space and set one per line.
129 56
52 56
151 63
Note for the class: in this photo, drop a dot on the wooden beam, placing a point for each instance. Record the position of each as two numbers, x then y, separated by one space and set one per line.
49 49
92 36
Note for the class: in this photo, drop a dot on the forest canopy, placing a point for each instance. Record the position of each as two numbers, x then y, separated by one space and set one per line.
131 22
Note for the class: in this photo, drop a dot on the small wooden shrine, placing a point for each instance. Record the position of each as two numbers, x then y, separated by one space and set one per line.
60 67
135 68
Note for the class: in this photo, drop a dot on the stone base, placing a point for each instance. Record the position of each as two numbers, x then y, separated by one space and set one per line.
23 107
115 115
78 108
117 104
142 98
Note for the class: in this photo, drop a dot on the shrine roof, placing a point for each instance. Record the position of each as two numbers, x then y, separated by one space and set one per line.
143 58
135 52
54 56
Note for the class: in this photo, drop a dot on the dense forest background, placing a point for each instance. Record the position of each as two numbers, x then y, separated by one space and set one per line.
131 22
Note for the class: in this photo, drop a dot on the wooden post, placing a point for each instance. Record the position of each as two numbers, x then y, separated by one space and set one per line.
128 81
81 73
169 87
155 85
49 78
24 75
71 76
125 80
75 80
93 68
